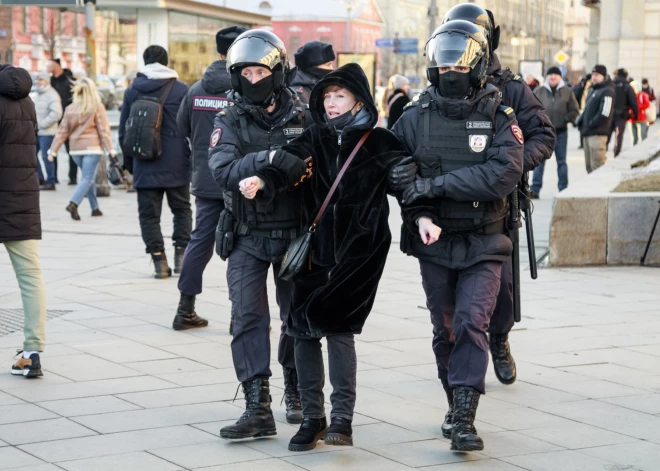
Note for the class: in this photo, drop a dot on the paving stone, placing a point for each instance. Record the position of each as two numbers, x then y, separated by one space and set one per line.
24 413
481 465
8 400
559 460
209 454
574 435
88 406
182 396
640 455
11 457
271 464
87 368
201 378
42 431
124 351
358 460
500 444
163 367
132 461
37 467
385 434
423 453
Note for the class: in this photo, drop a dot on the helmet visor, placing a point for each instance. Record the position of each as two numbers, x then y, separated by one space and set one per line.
449 49
253 50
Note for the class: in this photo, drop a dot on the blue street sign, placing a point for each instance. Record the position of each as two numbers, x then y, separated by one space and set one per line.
385 42
403 43
408 50
408 43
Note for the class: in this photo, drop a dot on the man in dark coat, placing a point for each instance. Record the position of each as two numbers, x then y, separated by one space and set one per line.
539 138
469 150
167 175
625 107
314 60
20 219
62 81
203 101
398 100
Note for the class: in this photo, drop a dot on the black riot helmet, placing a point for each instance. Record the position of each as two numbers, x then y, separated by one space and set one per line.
262 48
478 16
458 43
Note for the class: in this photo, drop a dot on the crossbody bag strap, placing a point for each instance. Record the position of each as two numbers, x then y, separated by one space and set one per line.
325 204
166 91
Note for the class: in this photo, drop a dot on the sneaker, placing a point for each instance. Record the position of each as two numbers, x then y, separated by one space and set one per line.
28 367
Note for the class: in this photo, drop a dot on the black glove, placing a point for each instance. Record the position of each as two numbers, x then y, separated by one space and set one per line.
420 188
403 174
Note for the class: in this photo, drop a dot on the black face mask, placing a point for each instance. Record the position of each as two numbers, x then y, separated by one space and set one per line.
260 93
454 84
343 120
317 72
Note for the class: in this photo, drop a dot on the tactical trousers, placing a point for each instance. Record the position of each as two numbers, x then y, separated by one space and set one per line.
461 304
201 246
250 348
502 320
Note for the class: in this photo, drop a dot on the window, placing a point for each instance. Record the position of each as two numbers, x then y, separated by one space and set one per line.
294 43
21 19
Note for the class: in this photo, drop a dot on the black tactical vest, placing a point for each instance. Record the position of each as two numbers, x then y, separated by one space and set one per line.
445 145
267 218
500 79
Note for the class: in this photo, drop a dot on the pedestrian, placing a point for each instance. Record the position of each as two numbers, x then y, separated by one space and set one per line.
532 82
85 126
333 298
49 113
20 219
539 137
640 127
469 150
646 88
595 122
625 108
562 108
203 101
62 81
264 115
314 60
398 99
168 174
578 89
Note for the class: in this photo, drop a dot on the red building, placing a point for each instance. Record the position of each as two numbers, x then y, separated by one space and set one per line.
30 36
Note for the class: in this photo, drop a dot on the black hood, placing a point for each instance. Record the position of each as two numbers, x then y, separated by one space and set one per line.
15 83
66 75
495 65
352 78
216 80
454 108
303 79
285 104
144 84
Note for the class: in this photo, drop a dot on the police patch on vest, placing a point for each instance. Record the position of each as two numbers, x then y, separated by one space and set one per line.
293 131
478 142
517 133
479 125
215 137
209 103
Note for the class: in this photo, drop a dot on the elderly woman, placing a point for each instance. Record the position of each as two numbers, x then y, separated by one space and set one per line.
334 295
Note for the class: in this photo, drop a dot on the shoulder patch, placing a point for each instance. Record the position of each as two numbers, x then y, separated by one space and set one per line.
517 78
508 110
222 113
517 133
410 105
415 98
215 137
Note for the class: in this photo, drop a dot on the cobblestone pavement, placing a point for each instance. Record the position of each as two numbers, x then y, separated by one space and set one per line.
122 391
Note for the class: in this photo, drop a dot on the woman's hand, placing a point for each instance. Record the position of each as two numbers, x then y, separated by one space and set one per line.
250 186
429 232
51 157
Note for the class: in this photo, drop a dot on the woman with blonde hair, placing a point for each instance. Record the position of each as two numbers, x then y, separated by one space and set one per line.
85 125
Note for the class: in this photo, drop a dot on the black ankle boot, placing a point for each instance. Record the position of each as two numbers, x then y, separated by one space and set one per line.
292 397
73 209
178 258
257 420
463 435
161 268
310 432
340 432
447 424
186 317
503 363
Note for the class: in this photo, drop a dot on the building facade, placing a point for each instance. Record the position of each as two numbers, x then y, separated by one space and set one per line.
577 38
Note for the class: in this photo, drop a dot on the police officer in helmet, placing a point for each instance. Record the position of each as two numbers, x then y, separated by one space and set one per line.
469 151
539 136
264 116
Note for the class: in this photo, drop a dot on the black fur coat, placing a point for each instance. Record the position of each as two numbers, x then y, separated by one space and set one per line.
353 238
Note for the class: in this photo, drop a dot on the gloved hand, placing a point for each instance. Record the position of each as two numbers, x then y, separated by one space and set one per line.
403 174
420 188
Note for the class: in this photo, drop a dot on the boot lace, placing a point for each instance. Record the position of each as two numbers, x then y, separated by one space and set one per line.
499 346
291 394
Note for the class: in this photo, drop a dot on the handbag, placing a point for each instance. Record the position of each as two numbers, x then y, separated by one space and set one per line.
299 251
115 172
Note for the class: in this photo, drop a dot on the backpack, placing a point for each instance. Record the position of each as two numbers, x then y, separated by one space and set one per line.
142 138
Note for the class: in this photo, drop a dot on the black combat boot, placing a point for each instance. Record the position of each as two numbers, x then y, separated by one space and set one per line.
178 258
447 424
463 435
161 268
505 366
310 432
340 432
292 397
186 317
257 420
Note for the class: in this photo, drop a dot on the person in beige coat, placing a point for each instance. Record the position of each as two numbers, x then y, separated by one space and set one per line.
85 125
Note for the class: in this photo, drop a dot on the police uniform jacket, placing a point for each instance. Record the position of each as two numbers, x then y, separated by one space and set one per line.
490 181
532 117
203 101
351 242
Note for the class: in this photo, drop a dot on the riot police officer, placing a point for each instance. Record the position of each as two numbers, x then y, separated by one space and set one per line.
263 116
539 136
469 152
195 119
